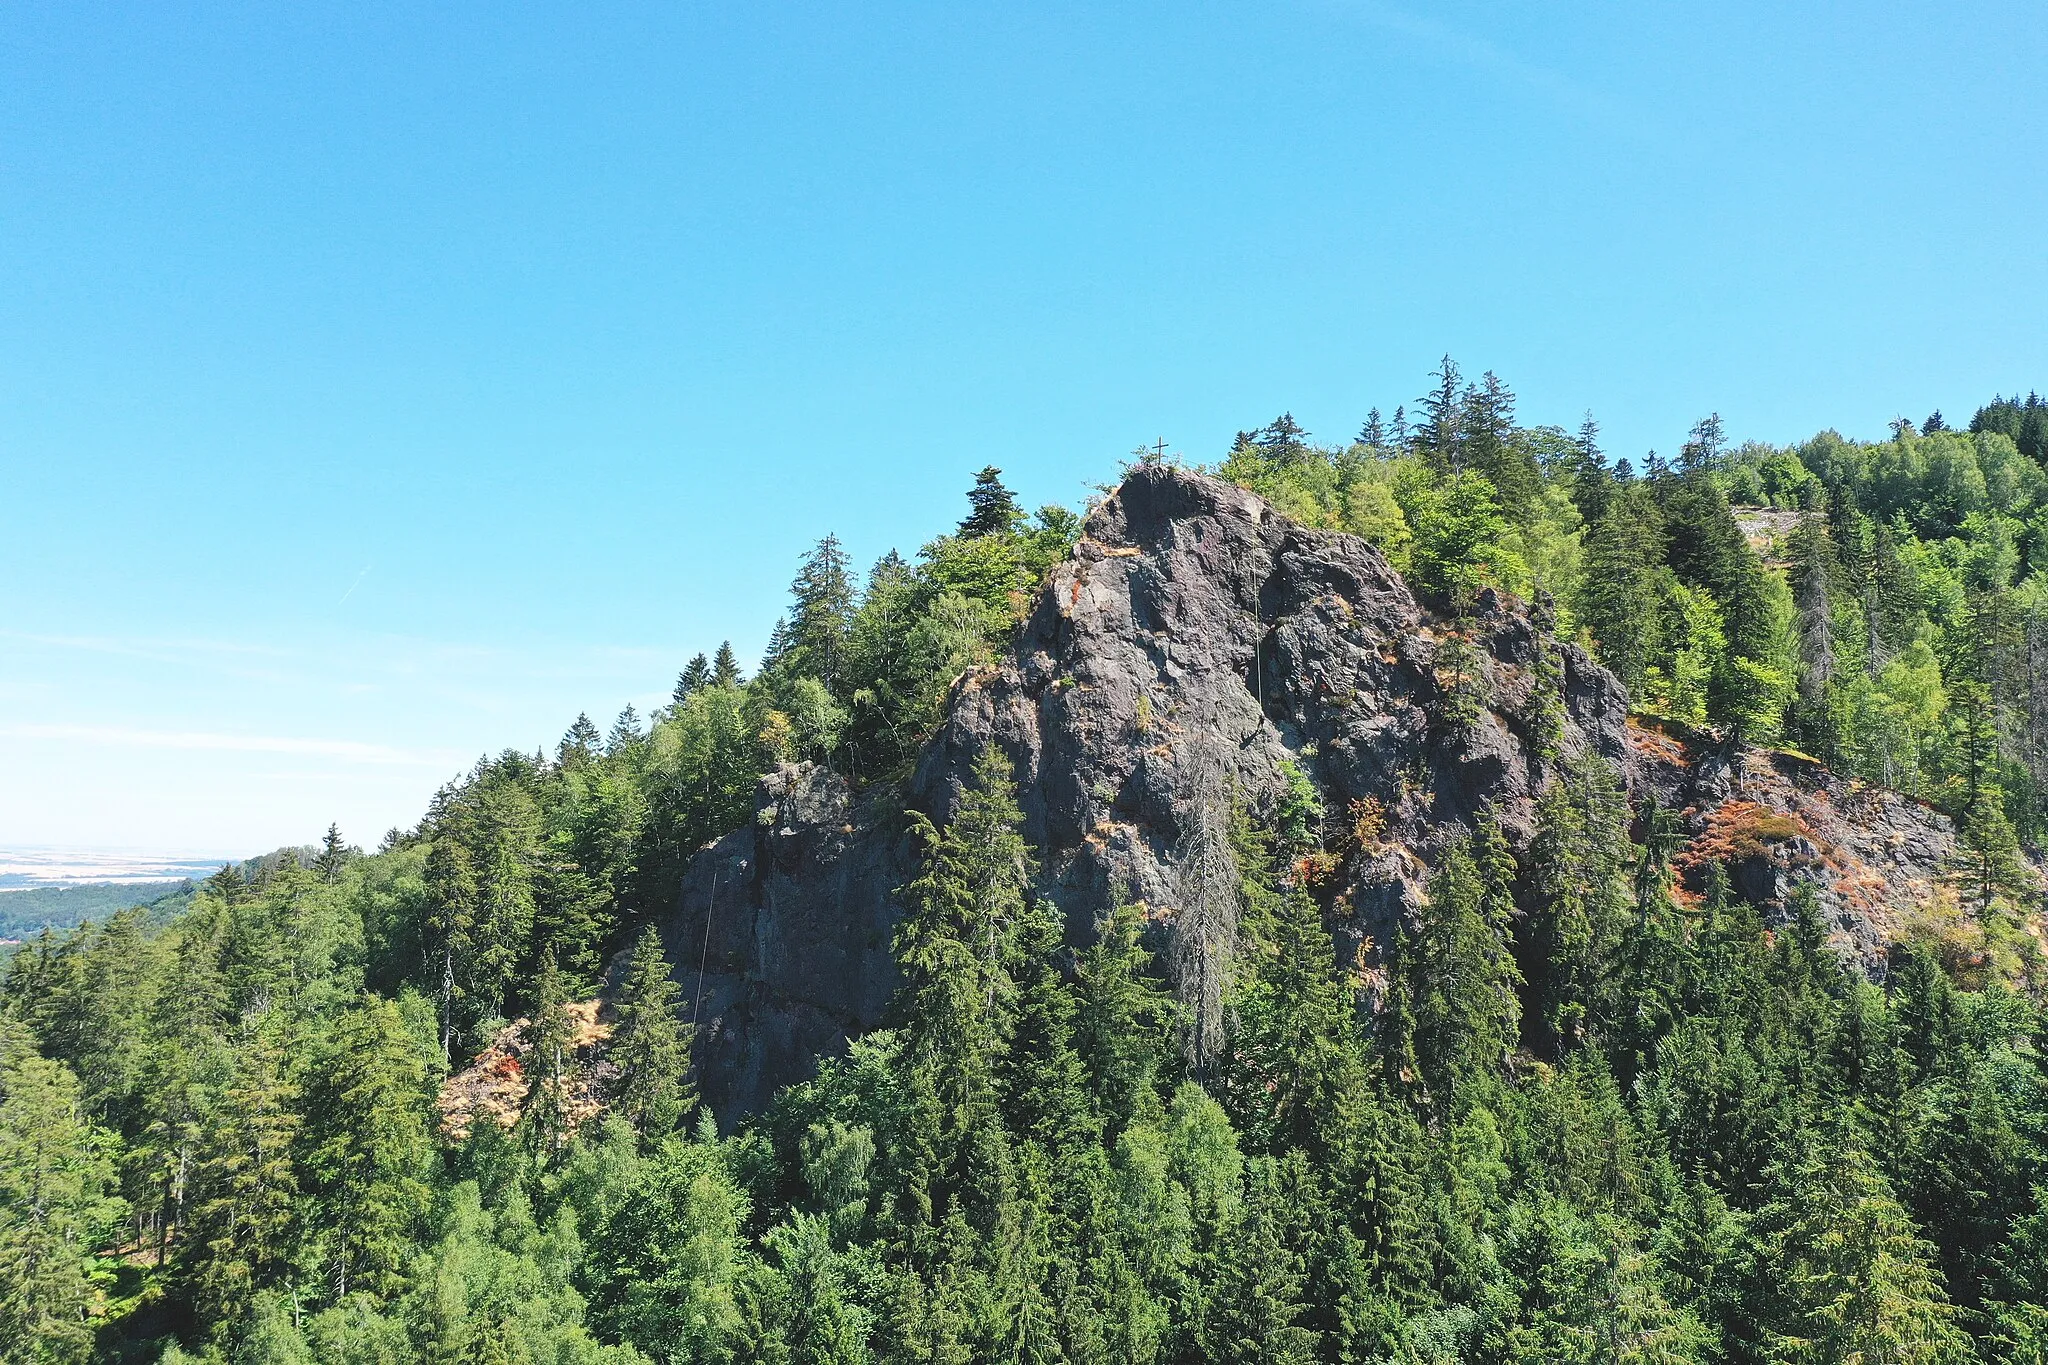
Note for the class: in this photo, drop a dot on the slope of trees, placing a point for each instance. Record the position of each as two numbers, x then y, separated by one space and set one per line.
1572 1112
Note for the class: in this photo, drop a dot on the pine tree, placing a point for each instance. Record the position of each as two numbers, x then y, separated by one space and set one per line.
1439 435
1813 572
725 668
1124 1019
625 735
56 1208
1623 551
956 945
334 855
992 510
371 1149
1703 445
651 1043
696 675
1842 1274
246 1183
1462 977
1374 432
550 1035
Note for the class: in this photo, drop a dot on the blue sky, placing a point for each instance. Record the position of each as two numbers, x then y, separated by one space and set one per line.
382 385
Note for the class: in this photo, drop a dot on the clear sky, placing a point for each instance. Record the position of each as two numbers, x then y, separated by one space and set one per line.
383 384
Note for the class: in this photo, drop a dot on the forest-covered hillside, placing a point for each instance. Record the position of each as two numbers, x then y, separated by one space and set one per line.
1586 1104
29 910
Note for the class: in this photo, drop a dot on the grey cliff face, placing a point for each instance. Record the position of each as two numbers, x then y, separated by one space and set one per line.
1195 643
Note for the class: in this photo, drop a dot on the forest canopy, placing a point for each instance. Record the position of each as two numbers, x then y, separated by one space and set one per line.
1577 1113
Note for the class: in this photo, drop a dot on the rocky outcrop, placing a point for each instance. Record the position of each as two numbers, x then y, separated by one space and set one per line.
1194 645
1772 818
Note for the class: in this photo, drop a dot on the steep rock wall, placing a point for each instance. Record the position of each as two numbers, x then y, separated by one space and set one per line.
1194 643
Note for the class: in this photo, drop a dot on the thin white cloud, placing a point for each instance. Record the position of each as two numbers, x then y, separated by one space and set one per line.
1482 54
147 647
344 750
356 584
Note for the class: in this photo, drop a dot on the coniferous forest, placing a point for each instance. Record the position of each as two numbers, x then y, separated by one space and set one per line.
358 1106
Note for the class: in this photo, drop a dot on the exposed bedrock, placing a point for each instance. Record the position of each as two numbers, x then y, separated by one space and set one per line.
1194 643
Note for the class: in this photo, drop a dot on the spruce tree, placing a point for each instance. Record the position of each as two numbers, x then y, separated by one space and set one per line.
1253 1314
1814 723
334 855
580 744
1703 445
811 641
1046 1097
625 735
1841 1273
992 509
1966 1179
696 675
1379 1182
1297 1067
57 1208
230 884
1623 551
1462 976
651 1043
1282 441
549 1065
1580 901
957 943
1487 424
371 1149
1124 1019
246 1182
725 667
1653 959
1592 482
1374 433
480 890
1439 436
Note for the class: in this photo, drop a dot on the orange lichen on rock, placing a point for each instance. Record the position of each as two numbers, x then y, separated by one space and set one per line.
1739 830
1653 742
